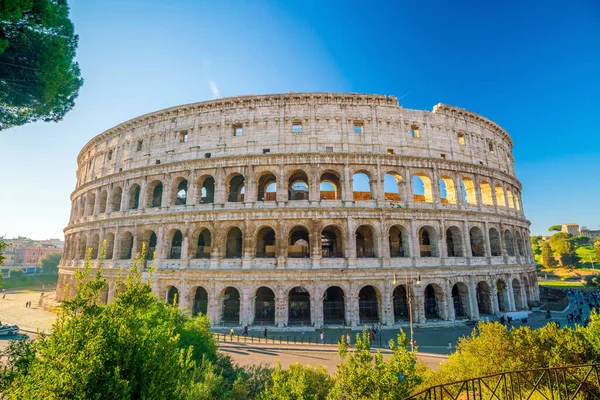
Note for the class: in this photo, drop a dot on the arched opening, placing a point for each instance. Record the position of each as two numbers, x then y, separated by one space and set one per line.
334 310
95 246
81 207
361 186
110 245
298 186
82 248
477 242
454 242
233 247
508 242
391 186
204 244
432 295
447 190
365 242
299 306
511 200
422 189
486 194
115 201
267 188
134 197
90 204
102 202
483 294
172 295
180 192
401 312
517 294
207 190
502 291
460 300
500 201
468 191
520 246
399 241
428 242
265 243
299 244
176 243
329 187
495 244
368 305
264 306
236 189
126 246
331 242
150 239
200 305
528 295
517 201
231 306
155 190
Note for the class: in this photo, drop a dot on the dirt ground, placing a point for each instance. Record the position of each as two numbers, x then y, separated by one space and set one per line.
13 310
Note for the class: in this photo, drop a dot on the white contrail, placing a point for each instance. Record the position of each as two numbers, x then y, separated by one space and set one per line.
214 89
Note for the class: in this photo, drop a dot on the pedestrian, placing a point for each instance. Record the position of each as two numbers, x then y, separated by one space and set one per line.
348 339
322 337
3 296
231 333
449 346
245 330
265 332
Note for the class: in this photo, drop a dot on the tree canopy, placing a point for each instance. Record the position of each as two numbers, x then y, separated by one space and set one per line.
50 263
39 79
555 228
564 246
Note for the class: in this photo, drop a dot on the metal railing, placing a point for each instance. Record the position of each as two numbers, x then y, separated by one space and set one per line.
570 382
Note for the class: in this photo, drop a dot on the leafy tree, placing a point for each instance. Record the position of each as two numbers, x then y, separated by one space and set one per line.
547 258
50 263
555 228
298 382
592 281
597 247
536 242
16 274
564 246
39 79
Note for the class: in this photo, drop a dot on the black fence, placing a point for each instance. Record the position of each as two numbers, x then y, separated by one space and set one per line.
274 338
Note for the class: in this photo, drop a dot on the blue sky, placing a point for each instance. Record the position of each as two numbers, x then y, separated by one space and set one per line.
533 68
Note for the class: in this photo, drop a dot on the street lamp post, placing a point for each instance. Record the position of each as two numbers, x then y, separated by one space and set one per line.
410 319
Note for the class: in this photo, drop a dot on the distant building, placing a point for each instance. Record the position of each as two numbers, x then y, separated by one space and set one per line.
593 235
26 253
572 229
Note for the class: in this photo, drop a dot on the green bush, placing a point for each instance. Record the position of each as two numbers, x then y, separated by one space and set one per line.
298 382
16 273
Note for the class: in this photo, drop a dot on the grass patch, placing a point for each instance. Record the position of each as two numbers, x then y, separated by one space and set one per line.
586 253
561 284
29 281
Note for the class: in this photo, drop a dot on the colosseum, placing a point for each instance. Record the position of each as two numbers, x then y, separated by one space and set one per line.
308 210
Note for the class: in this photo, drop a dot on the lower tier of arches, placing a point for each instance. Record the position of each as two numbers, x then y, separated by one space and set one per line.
348 297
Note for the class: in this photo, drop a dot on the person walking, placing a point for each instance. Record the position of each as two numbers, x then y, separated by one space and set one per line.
348 339
245 330
265 332
322 337
231 333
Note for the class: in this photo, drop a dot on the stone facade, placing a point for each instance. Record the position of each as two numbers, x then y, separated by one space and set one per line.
252 207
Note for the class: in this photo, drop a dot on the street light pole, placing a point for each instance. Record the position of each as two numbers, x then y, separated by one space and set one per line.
410 319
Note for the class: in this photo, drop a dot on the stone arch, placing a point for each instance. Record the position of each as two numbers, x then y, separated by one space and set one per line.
460 300
520 246
299 242
81 206
102 201
179 191
392 182
434 299
428 241
172 295
332 242
484 296
150 241
126 246
528 294
82 253
175 240
399 241
329 186
298 185
447 190
95 246
267 187
422 191
234 243
110 245
469 193
199 301
519 303
454 243
236 187
366 241
154 194
264 306
91 202
477 242
502 291
500 200
265 243
203 243
206 185
361 186
368 305
231 303
509 243
334 306
299 306
486 194
511 200
400 300
495 243
134 197
115 199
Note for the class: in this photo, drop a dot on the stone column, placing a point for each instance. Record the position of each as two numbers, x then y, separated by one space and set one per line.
450 312
494 294
351 243
214 309
488 247
511 295
415 248
96 202
124 197
467 242
185 243
220 186
388 308
245 307
116 244
251 194
192 194
473 298
460 198
166 194
282 185
347 194
143 200
524 301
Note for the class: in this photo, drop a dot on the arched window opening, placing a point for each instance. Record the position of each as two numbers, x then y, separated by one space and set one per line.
299 307
502 289
399 241
236 189
115 202
447 190
150 240
298 186
331 242
460 300
520 246
517 202
400 296
176 242
134 197
265 243
517 294
483 295
95 246
511 200
428 242
231 306
172 295
468 191
500 201
477 242
82 249
391 186
267 188
495 244
233 248
126 249
454 242
204 244
264 307
181 192
365 242
81 207
155 190
110 245
422 189
102 202
91 203
361 186
207 191
200 305
486 194
330 188
368 305
299 244
431 301
509 243
334 310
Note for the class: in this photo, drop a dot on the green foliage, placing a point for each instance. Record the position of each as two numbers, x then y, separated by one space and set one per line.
555 228
362 375
592 281
536 243
298 382
564 246
29 281
39 79
16 274
597 247
547 258
50 263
